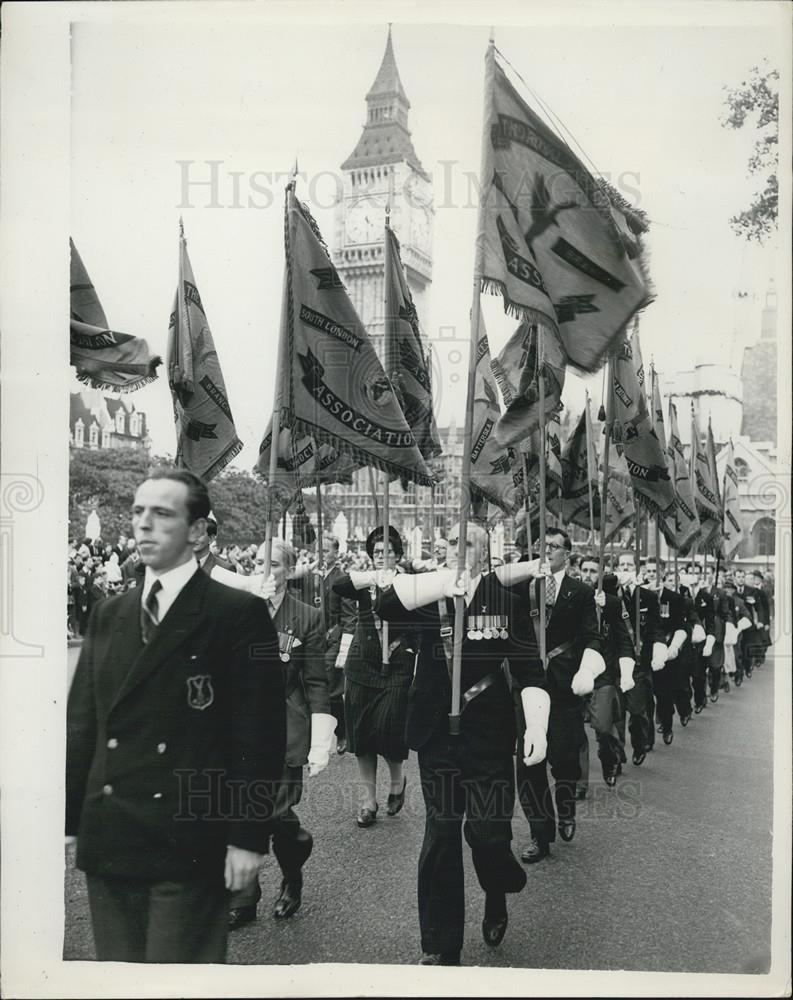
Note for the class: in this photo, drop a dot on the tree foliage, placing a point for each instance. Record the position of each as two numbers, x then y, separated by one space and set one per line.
756 102
105 480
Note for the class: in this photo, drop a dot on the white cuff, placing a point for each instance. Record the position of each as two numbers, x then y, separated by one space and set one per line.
697 633
743 624
361 579
710 642
536 707
344 649
322 727
250 584
730 634
511 574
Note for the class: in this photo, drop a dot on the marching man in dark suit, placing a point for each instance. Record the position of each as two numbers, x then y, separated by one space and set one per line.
176 732
671 681
339 616
703 637
574 661
605 707
651 657
309 729
466 779
207 559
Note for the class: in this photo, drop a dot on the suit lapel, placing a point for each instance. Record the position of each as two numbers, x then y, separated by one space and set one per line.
182 619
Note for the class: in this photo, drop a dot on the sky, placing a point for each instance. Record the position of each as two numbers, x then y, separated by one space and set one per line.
154 99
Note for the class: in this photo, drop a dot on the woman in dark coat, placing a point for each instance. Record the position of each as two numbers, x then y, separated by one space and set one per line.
375 695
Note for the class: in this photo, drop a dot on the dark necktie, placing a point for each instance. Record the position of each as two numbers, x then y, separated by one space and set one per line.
150 613
550 596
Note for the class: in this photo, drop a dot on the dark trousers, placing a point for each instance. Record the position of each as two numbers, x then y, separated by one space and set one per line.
565 736
291 843
671 692
714 665
638 704
605 714
466 791
698 670
180 922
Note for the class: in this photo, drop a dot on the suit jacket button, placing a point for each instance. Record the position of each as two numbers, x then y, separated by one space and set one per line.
161 748
112 743
107 789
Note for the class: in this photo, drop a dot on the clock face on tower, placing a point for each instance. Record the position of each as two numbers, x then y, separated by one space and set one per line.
420 228
365 222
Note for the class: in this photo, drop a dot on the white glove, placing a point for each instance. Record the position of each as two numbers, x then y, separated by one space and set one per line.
676 644
362 579
627 682
511 574
536 709
344 648
743 624
710 642
767 628
383 578
265 586
592 666
600 599
697 633
659 656
250 584
322 727
415 590
730 634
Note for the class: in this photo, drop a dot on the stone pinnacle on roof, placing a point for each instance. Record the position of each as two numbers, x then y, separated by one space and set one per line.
387 81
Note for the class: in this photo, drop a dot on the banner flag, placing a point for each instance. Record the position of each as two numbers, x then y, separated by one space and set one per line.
562 247
497 473
634 433
103 358
620 508
517 371
337 391
710 449
206 439
706 499
409 372
681 528
731 530
577 471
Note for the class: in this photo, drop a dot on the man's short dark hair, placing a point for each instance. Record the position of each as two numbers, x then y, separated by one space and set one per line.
198 504
212 528
565 537
660 565
332 539
588 557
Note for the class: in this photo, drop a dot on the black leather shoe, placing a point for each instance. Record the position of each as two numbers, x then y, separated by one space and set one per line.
580 793
610 774
698 709
536 851
441 958
567 830
291 896
638 756
668 736
494 925
725 685
241 915
686 719
341 745
659 728
395 802
714 696
366 817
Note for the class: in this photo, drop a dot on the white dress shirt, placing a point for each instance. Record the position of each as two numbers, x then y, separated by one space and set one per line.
173 582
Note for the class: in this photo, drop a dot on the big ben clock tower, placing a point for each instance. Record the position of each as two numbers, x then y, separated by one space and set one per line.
384 161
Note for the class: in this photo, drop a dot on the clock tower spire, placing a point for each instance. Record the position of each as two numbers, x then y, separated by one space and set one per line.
384 162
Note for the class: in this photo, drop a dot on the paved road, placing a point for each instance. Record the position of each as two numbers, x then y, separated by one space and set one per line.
671 871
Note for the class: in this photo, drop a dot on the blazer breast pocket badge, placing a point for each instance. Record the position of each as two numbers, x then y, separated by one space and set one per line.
200 693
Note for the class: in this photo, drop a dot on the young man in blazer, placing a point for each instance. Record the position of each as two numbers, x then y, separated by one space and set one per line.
176 731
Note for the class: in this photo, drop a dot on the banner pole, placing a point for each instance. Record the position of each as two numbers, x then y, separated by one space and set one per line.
465 474
543 588
638 548
285 332
589 474
604 492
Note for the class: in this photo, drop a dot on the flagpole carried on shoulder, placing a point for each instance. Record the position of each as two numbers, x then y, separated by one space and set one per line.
465 474
278 399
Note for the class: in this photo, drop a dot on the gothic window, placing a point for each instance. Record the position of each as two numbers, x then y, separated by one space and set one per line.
741 469
105 438
120 421
79 433
764 532
134 424
93 435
